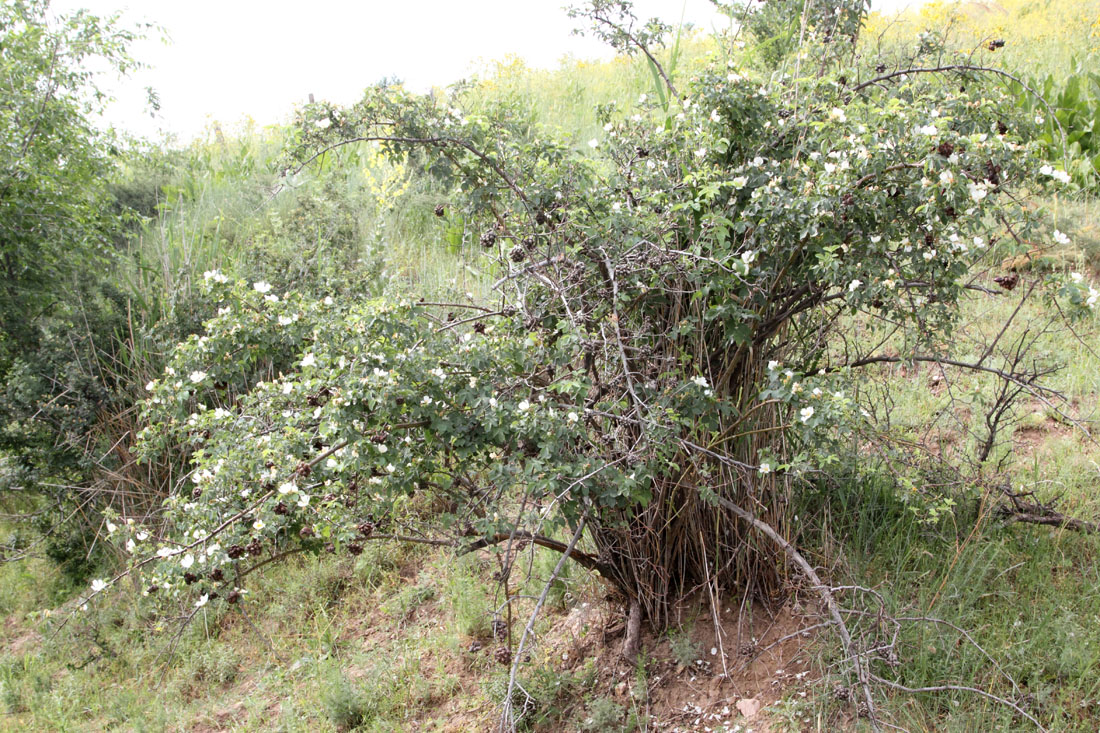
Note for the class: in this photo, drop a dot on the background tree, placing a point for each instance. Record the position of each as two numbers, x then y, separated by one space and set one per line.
61 318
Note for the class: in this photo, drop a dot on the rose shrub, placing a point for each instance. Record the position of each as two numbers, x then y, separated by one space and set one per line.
661 335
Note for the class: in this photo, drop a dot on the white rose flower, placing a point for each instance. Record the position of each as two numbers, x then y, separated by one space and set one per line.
806 413
197 376
187 561
261 287
98 585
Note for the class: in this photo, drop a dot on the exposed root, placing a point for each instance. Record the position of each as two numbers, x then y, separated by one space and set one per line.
633 640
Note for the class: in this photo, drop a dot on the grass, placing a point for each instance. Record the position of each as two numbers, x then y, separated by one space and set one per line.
325 644
1027 596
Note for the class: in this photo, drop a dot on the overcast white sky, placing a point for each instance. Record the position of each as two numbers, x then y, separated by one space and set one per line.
231 59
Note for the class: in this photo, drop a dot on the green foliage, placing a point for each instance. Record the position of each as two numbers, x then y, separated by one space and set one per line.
604 714
1070 137
408 600
545 696
347 707
468 600
685 650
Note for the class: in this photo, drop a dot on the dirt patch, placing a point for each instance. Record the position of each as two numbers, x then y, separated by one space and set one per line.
17 640
706 676
1030 438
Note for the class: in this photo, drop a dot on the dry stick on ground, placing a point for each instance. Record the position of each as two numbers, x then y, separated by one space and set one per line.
860 664
507 716
959 688
1037 513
